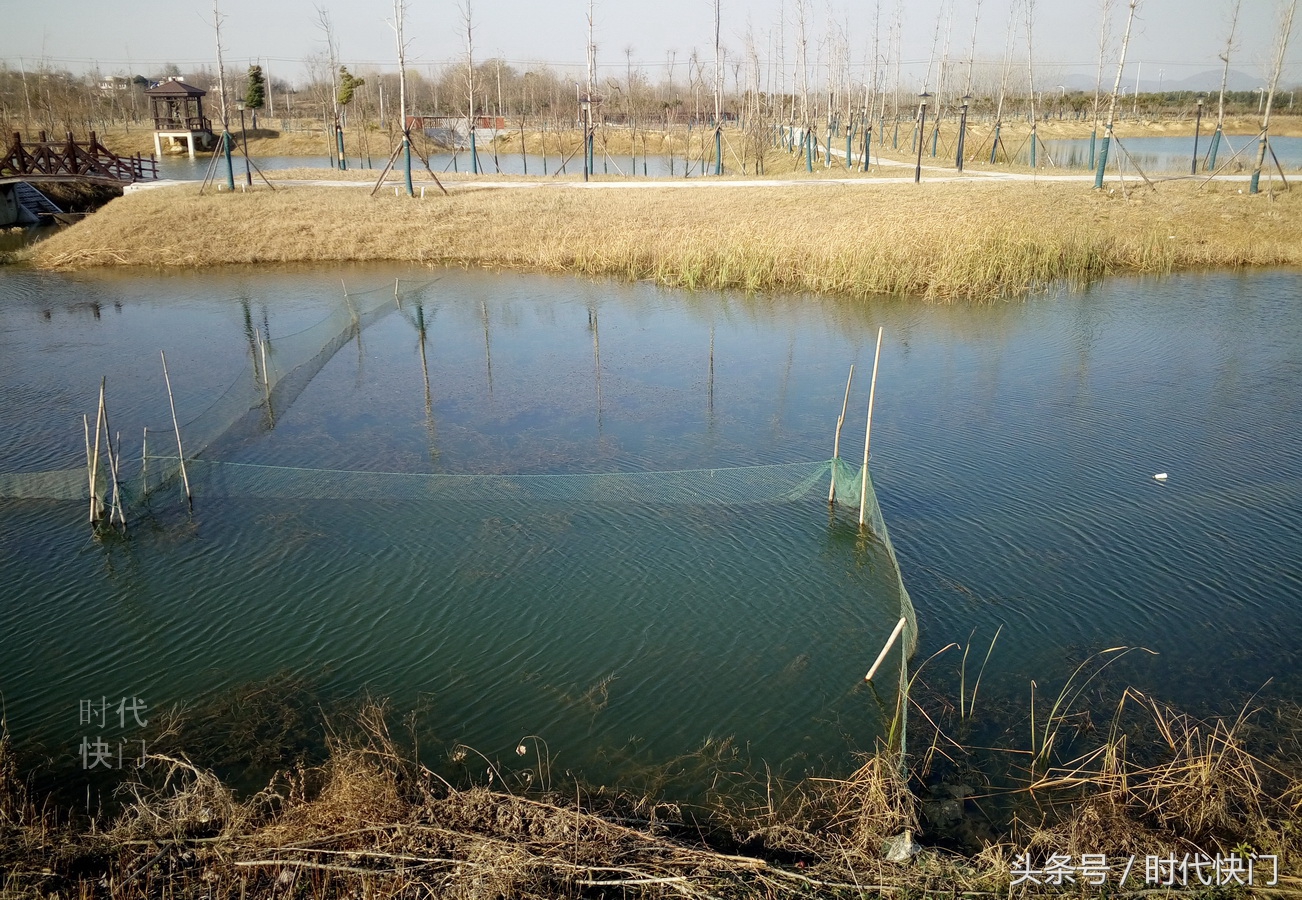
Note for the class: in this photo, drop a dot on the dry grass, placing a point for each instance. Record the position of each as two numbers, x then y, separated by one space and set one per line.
976 241
372 822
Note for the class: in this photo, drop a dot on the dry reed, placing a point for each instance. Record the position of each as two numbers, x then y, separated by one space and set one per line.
973 241
372 821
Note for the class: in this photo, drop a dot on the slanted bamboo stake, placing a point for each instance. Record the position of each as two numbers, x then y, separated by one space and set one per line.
396 298
266 373
90 470
836 444
94 466
189 498
890 642
144 462
868 432
113 470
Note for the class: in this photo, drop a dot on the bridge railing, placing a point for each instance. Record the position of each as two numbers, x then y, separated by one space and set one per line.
71 158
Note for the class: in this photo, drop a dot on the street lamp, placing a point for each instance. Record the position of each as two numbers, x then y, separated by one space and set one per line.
962 129
244 135
1198 120
922 128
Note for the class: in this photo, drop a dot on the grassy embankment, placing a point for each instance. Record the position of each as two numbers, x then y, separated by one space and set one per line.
974 240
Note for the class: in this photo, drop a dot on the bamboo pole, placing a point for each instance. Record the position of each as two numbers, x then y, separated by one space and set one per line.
90 471
836 444
144 462
94 466
890 642
868 432
189 498
113 471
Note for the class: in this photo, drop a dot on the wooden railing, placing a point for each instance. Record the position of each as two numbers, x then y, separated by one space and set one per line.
190 123
72 159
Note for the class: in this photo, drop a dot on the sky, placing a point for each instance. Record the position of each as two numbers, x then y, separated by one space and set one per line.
1172 39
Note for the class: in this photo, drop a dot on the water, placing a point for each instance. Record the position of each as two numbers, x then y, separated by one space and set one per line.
1169 155
182 168
1014 448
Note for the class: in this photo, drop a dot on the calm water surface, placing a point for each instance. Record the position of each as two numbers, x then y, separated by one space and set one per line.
1014 449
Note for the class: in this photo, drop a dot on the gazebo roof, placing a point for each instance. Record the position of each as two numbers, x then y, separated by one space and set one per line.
174 88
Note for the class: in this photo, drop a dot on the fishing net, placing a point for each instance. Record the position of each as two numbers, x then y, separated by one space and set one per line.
282 366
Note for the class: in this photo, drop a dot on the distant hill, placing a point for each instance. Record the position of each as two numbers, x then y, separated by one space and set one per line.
1209 81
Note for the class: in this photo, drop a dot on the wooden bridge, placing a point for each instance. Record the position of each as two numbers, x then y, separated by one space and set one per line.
69 160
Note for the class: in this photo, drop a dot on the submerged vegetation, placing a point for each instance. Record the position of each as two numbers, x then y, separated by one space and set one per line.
953 241
368 818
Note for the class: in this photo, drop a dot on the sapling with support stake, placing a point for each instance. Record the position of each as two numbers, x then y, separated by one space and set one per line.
1225 77
1285 31
1112 101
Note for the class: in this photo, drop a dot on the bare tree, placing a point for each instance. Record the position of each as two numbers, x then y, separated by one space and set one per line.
1281 49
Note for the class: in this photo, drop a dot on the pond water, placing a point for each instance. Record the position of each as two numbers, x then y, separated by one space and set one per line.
1014 448
1169 155
182 168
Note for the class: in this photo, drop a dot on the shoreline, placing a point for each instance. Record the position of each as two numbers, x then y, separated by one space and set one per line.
307 138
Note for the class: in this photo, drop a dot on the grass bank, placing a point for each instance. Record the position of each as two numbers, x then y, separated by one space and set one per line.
945 241
367 819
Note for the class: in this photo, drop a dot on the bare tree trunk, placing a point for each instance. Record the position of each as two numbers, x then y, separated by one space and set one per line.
1225 58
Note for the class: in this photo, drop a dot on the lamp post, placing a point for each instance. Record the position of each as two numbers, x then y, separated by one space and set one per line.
1198 120
922 127
244 137
962 129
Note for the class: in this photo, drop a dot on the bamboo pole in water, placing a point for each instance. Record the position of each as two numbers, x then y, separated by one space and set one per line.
144 462
836 444
90 469
94 465
868 433
890 642
115 506
189 498
113 470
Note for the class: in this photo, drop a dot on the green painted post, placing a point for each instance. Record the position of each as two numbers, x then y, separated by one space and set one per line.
474 152
1103 160
718 150
1093 135
1254 185
406 163
994 146
339 143
895 139
1211 156
935 140
230 167
809 149
849 133
1033 143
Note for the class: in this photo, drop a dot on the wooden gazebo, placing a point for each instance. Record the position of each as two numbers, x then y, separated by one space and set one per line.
177 109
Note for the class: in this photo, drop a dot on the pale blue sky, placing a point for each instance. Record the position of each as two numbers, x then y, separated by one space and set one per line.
1173 39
